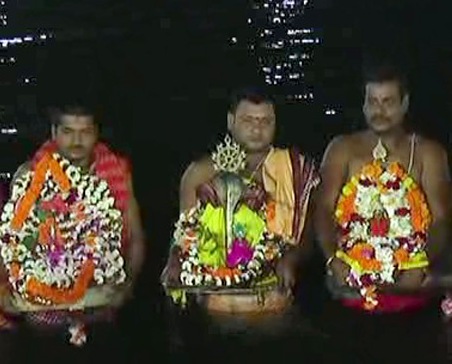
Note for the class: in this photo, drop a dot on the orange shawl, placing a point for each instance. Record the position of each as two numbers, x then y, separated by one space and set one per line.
289 178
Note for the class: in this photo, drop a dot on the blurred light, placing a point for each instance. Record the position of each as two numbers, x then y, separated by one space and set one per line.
287 46
9 131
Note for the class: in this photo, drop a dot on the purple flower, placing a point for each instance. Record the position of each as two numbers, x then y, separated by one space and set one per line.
366 280
240 253
72 198
55 256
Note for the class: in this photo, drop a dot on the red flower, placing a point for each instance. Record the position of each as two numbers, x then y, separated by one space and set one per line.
394 185
403 211
379 226
57 204
365 182
356 218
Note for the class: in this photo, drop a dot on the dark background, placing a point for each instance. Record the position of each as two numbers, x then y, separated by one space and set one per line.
162 72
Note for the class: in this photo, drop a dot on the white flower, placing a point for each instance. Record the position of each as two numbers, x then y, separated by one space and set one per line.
8 208
359 231
74 174
103 186
7 254
99 276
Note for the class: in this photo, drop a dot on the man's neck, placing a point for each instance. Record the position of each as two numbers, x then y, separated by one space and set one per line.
391 139
84 164
254 160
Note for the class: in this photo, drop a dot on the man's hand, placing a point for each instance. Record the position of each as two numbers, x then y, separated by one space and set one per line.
121 295
411 280
339 270
286 270
171 273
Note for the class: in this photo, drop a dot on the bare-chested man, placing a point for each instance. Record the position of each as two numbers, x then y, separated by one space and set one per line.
283 179
383 190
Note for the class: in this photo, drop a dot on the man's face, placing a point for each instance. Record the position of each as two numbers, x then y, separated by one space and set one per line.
384 105
253 125
76 137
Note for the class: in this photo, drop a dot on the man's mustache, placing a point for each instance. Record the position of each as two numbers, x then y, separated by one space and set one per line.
77 148
379 117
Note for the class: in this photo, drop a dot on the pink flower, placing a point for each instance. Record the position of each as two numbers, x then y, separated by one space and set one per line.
241 253
446 306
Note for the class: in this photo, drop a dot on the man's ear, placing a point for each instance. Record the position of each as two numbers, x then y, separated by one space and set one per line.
406 103
231 120
53 130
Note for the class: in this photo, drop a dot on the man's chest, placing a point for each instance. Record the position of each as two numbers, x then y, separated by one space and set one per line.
411 163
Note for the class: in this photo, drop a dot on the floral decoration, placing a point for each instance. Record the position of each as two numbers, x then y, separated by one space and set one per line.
383 218
60 234
250 257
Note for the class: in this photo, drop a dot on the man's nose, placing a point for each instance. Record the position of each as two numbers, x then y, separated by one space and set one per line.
77 138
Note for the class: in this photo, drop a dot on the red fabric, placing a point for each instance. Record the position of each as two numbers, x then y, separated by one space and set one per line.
390 303
108 166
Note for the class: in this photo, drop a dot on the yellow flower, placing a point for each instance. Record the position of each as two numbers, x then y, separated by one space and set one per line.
408 182
348 189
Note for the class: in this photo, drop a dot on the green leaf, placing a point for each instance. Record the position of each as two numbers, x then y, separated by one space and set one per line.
29 241
42 215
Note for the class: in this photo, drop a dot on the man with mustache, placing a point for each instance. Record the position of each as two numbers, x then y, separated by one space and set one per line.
75 135
382 187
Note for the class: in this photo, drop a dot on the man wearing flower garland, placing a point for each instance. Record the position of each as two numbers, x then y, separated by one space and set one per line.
75 137
381 211
282 178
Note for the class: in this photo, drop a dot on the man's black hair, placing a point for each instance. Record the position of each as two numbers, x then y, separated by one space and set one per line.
385 70
253 94
75 106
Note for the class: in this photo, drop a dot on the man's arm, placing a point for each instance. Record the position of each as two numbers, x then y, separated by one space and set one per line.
436 184
137 249
333 172
195 175
23 168
305 246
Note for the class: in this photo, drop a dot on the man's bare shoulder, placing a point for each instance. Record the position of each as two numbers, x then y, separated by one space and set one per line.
344 143
23 168
199 171
429 148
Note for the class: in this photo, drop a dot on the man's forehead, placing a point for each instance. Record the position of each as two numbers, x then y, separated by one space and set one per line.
255 108
383 89
77 121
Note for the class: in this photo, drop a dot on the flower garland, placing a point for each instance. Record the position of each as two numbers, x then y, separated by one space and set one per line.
244 262
383 219
60 234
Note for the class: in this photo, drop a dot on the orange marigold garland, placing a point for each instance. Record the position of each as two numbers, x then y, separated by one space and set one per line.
383 219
